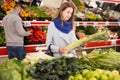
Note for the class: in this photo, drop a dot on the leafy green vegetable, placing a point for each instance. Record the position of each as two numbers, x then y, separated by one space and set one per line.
90 30
38 11
10 74
2 14
2 37
80 29
14 69
56 69
105 59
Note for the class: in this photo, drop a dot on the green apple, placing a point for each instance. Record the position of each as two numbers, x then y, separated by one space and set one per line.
106 72
116 77
88 75
71 78
78 77
95 75
111 77
84 72
103 77
84 79
92 78
99 71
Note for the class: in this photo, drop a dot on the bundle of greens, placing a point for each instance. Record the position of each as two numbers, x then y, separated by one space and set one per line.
97 36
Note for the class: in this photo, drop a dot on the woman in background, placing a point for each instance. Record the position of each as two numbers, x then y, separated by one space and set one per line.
61 31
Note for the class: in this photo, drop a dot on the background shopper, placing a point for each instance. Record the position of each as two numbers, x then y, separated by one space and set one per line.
61 32
14 33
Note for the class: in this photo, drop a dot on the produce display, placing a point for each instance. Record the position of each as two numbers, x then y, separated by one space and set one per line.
37 37
105 61
1 15
97 74
2 37
83 12
104 58
30 12
14 70
100 64
34 57
34 13
56 69
7 7
88 30
49 11
79 4
93 17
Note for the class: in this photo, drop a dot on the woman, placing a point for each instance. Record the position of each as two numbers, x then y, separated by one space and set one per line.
61 32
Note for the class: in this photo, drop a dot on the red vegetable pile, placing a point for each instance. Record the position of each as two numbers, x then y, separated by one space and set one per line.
38 36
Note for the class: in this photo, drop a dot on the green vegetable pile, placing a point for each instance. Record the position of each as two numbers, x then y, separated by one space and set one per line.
107 59
14 69
1 15
56 69
97 74
88 30
62 68
36 12
2 37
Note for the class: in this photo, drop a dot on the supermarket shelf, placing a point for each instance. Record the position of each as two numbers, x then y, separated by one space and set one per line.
78 23
28 48
94 23
89 45
109 43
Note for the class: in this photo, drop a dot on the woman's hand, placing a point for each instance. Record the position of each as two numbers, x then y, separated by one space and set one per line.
63 50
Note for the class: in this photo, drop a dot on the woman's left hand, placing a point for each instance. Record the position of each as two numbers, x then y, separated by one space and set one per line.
63 50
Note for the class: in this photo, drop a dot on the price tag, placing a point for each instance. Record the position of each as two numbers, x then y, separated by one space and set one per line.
119 23
113 42
27 23
77 24
40 48
106 23
95 23
85 24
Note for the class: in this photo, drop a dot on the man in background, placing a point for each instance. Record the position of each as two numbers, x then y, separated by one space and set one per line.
14 33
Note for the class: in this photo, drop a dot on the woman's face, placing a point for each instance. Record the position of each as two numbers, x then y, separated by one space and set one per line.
67 13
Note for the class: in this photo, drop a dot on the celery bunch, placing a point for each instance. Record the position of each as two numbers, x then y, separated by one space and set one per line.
103 35
104 58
